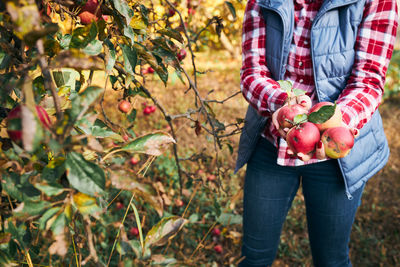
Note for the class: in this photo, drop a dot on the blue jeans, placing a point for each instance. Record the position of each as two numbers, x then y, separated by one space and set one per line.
268 194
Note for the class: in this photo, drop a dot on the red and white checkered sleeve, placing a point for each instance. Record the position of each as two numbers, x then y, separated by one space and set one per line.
257 86
374 47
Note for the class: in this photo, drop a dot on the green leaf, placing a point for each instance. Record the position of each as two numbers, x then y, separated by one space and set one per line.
128 32
82 36
301 118
58 225
132 116
231 9
6 260
110 55
130 58
93 48
84 176
65 41
286 86
123 8
30 208
4 59
164 230
18 233
81 102
160 260
298 92
66 77
150 144
193 218
228 219
86 204
122 180
322 115
50 190
171 33
46 216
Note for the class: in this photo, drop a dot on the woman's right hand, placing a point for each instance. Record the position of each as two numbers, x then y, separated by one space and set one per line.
303 100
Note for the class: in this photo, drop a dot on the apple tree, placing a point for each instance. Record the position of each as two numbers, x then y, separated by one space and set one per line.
62 160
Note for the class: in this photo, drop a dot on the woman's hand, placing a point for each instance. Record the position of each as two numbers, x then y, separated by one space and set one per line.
303 100
320 150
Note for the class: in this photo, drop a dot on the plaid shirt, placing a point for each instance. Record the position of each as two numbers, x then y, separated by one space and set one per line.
364 89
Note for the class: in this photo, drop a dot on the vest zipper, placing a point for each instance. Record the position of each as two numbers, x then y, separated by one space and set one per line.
349 196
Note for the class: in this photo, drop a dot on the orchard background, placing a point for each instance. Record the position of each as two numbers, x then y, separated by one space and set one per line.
134 166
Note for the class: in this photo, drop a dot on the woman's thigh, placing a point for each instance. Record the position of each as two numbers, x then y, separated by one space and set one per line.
268 193
330 214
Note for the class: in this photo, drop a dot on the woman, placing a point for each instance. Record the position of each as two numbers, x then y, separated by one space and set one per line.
335 50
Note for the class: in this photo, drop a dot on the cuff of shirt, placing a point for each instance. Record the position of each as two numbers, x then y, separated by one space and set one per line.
276 99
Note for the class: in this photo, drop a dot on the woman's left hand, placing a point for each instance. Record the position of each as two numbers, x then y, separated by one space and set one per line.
320 150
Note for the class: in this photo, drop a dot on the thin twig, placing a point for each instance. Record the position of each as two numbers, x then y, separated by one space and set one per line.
48 82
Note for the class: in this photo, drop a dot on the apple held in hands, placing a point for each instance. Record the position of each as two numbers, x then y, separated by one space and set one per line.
303 138
334 121
337 141
286 115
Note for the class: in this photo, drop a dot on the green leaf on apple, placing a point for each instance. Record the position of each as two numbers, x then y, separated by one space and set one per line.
322 115
286 86
298 92
301 118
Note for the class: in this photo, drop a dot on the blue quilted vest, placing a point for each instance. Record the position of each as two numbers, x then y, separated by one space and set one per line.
333 35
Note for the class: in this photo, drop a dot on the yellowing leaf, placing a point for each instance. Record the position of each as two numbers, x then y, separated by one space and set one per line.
164 230
137 23
85 204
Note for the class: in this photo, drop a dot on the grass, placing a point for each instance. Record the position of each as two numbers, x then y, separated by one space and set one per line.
375 239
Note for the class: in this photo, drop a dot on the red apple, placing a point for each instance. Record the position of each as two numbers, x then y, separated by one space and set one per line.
191 11
124 106
171 12
211 177
87 17
181 54
119 205
334 121
179 202
134 231
125 137
91 6
287 114
337 141
14 122
218 249
134 161
150 70
152 109
216 232
147 110
303 138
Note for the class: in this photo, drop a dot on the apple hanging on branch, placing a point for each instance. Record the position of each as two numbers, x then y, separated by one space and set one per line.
15 125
